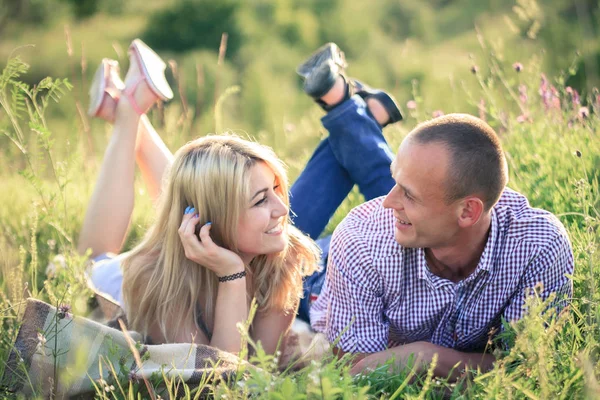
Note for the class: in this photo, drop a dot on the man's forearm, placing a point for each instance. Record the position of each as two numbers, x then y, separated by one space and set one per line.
449 360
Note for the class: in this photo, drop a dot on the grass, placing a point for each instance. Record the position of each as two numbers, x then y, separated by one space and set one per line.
554 159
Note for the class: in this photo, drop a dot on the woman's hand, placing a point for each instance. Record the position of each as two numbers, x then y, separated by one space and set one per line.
202 250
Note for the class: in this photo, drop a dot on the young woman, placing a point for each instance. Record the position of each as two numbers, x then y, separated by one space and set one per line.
193 275
222 235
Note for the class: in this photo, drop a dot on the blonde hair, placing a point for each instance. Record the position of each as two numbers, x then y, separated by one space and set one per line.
211 174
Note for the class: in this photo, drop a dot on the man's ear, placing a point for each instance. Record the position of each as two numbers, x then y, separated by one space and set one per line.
471 211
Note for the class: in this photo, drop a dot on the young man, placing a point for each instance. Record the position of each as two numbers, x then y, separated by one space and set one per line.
434 265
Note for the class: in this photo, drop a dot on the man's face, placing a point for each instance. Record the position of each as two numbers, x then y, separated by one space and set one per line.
423 219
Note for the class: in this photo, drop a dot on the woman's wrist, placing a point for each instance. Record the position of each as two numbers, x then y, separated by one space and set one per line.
232 277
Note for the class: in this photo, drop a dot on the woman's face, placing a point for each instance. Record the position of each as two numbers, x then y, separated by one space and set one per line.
260 229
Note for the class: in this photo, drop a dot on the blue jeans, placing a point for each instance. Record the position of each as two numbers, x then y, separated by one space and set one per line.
354 153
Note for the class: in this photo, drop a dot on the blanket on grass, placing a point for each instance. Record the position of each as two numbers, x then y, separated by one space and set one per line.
60 355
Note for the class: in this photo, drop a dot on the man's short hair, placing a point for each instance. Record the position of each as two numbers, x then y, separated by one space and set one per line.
477 162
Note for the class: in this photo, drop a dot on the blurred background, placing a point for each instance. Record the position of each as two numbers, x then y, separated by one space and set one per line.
419 50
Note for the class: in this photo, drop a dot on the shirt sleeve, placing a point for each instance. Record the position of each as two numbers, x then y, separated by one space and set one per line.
352 297
550 270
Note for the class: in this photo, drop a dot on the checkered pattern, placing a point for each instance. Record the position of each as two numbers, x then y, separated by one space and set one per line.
31 364
378 294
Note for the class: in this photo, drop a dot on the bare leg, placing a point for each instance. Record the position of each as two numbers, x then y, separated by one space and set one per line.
109 211
152 156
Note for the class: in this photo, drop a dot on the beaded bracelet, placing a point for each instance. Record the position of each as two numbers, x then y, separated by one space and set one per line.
232 276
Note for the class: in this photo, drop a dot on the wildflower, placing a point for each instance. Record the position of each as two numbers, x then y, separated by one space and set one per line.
63 311
523 118
411 105
523 94
437 113
518 66
574 94
481 108
549 94
583 113
58 262
474 69
108 388
132 376
288 128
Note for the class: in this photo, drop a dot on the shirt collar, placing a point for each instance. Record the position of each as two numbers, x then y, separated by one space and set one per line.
433 281
485 261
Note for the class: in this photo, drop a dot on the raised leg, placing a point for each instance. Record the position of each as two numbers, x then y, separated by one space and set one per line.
109 211
358 144
319 191
354 153
152 156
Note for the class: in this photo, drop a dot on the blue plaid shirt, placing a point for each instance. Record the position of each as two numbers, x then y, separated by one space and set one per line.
394 299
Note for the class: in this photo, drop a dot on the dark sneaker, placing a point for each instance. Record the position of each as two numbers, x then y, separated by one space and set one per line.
329 51
321 79
386 100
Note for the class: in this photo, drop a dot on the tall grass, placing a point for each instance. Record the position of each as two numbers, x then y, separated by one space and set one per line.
550 136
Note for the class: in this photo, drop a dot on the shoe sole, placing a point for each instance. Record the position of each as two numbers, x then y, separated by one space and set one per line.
98 87
386 100
153 67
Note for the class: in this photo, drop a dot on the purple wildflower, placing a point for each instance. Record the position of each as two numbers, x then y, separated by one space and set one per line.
411 105
523 94
437 113
518 66
575 98
63 311
523 118
132 377
481 108
549 95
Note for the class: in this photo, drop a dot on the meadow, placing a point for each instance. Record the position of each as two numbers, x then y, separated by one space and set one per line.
545 113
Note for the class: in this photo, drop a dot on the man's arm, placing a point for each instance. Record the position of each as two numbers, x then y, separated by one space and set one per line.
450 363
550 273
350 308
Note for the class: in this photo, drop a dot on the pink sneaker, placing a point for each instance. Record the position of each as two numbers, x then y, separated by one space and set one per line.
105 90
145 65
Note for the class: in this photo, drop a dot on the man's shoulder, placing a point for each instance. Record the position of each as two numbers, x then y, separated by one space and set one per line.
519 221
370 228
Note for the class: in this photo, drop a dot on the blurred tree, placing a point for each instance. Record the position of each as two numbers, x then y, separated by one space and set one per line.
403 19
27 11
82 9
194 24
